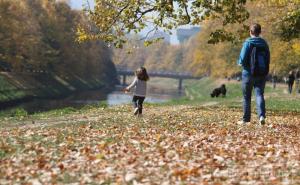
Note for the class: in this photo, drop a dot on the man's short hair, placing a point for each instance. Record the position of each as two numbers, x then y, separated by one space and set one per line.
255 29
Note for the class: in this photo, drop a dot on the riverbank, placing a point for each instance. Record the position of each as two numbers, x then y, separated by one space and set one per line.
197 93
25 88
159 91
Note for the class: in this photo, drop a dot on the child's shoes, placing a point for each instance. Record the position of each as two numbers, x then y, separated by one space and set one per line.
136 111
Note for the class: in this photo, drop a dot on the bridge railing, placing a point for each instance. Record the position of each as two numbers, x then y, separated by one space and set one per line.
167 74
164 74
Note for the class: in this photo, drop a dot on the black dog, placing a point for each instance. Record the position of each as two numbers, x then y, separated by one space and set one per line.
217 91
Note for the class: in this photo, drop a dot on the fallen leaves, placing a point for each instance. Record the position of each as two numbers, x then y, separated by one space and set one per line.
169 145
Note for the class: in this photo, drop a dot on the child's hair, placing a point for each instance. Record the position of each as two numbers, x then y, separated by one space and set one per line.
142 74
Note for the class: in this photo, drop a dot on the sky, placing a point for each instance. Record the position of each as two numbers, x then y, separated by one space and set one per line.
78 4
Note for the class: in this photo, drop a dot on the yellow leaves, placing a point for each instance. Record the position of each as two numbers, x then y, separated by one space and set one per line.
158 137
283 2
100 156
296 48
81 34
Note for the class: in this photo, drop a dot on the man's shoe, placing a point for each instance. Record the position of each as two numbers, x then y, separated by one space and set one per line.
136 111
242 122
262 120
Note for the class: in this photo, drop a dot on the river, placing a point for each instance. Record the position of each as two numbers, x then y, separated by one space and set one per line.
117 98
94 97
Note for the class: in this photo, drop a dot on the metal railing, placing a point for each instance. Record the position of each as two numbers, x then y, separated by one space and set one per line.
164 74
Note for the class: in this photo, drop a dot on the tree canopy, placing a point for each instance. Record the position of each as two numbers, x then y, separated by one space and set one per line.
40 35
114 19
220 60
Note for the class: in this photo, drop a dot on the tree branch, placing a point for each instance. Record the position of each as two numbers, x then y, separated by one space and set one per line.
144 38
118 15
187 13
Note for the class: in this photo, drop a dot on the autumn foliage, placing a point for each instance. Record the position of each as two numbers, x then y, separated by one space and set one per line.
40 35
169 145
206 54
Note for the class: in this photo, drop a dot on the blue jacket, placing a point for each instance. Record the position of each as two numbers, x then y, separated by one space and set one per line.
245 52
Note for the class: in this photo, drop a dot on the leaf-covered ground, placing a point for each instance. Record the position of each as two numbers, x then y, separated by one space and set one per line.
168 145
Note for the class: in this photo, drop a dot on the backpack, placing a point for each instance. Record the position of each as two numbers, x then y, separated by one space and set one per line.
259 63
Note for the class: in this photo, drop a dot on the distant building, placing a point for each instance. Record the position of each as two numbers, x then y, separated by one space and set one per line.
160 34
184 34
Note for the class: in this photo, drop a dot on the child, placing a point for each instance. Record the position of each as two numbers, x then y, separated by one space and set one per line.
140 84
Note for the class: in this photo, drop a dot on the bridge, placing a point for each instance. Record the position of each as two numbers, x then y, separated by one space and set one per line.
123 72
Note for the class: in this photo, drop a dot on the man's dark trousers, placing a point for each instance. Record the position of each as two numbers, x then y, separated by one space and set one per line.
258 83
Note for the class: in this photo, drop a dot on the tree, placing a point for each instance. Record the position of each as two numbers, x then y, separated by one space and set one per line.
41 35
222 61
19 35
113 19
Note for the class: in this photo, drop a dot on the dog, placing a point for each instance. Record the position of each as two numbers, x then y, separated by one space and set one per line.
217 91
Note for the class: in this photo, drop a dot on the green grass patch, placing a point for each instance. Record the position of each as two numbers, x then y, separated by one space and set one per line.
8 91
16 113
283 104
5 85
198 93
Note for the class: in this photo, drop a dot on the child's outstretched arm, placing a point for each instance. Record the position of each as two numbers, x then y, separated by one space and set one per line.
131 85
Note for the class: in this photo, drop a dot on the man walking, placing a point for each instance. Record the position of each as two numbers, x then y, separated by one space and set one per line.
291 80
254 59
297 75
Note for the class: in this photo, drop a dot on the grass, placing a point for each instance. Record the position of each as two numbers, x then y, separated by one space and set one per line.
198 92
17 116
4 85
174 144
283 104
9 92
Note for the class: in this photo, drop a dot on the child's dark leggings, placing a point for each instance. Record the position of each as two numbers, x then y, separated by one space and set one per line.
138 103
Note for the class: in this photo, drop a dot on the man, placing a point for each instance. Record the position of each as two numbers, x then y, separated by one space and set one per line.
255 60
291 80
298 80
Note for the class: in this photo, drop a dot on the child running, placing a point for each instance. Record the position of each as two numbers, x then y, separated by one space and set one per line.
140 84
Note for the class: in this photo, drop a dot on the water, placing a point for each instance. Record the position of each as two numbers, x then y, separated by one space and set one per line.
117 98
78 100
